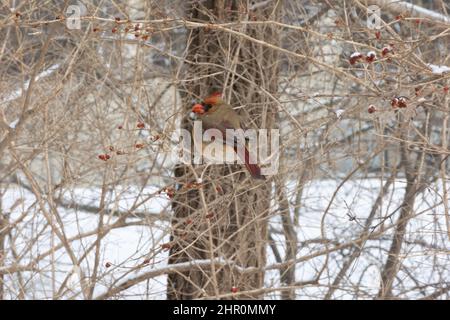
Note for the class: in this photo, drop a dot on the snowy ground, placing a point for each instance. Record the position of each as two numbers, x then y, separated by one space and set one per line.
125 248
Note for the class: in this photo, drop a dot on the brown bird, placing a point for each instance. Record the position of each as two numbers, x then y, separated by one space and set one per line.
216 114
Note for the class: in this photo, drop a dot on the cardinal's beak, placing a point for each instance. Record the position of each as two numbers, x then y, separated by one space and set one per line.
198 109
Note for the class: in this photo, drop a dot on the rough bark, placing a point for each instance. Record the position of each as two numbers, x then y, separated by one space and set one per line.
227 217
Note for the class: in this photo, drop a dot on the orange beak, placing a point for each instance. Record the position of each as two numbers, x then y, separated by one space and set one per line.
198 109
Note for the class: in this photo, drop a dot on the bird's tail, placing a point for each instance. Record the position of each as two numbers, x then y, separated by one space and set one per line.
254 169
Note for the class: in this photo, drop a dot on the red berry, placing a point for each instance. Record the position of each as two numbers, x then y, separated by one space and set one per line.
114 30
352 61
378 35
146 261
117 19
140 125
445 89
371 57
108 264
355 57
371 109
385 51
234 289
170 192
394 102
104 157
139 145
188 221
402 102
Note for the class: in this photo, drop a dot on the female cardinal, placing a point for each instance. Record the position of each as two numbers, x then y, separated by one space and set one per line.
216 114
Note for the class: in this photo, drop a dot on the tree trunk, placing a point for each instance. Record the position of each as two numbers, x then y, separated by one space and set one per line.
225 218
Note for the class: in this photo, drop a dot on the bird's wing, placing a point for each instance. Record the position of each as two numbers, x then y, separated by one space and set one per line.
223 128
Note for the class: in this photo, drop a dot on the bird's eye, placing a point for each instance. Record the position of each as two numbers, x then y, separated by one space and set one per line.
207 107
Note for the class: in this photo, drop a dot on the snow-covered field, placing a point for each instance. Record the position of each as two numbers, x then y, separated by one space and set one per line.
128 243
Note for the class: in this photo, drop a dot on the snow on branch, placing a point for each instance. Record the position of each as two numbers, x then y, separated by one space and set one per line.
178 267
189 265
414 10
438 69
255 5
17 93
15 268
